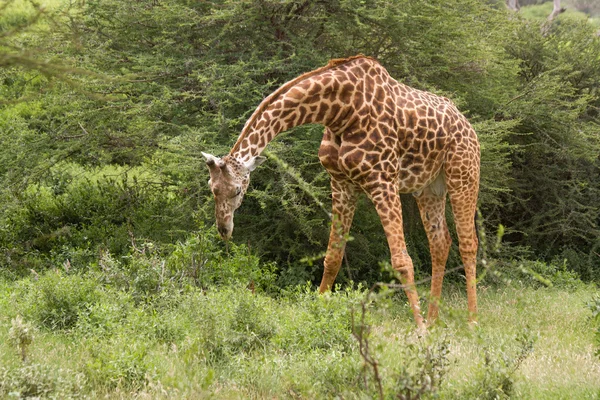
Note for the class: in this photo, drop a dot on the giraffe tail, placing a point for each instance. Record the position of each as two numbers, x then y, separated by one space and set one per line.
480 233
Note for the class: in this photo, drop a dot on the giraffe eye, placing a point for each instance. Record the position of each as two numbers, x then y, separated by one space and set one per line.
238 190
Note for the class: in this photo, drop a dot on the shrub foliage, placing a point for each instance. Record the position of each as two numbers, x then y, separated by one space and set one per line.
102 149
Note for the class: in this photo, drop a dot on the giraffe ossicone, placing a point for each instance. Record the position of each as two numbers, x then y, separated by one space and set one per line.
211 160
381 138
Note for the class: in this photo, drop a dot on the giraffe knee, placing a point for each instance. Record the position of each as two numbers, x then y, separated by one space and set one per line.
332 264
403 264
405 272
468 250
439 235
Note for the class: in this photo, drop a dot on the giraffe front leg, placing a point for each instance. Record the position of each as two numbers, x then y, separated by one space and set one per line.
389 208
343 205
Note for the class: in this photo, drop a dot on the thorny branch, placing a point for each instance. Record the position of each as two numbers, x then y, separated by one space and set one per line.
361 334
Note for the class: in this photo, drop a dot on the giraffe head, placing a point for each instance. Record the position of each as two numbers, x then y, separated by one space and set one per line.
229 179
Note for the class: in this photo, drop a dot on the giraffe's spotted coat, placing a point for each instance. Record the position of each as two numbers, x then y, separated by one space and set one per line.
381 138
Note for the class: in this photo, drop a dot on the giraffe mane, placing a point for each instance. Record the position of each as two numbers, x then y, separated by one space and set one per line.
335 62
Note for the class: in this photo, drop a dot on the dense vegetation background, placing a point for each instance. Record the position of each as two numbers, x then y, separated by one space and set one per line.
106 222
103 122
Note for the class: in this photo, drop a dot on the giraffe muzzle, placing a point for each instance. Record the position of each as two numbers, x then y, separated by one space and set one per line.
225 231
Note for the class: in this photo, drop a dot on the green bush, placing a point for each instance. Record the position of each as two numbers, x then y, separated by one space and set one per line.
231 320
201 261
104 318
57 301
163 326
422 370
252 326
555 142
75 212
38 381
534 273
94 160
322 321
583 262
204 260
314 374
119 362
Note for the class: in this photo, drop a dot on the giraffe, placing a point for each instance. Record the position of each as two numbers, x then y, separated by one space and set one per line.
381 138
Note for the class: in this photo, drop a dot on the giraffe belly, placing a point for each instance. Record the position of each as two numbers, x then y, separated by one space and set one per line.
437 186
410 173
416 175
415 185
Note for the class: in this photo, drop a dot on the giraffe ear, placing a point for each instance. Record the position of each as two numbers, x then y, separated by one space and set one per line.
255 162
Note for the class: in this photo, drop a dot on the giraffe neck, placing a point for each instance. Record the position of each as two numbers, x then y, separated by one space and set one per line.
325 97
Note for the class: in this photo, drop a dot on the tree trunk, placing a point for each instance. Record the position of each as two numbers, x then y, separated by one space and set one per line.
557 10
513 5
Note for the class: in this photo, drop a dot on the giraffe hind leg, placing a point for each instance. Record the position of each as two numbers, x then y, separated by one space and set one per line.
463 197
432 207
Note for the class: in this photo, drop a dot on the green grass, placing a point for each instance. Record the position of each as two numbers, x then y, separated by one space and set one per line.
231 343
561 365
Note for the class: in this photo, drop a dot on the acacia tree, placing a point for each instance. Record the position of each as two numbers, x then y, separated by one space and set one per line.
556 168
184 77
